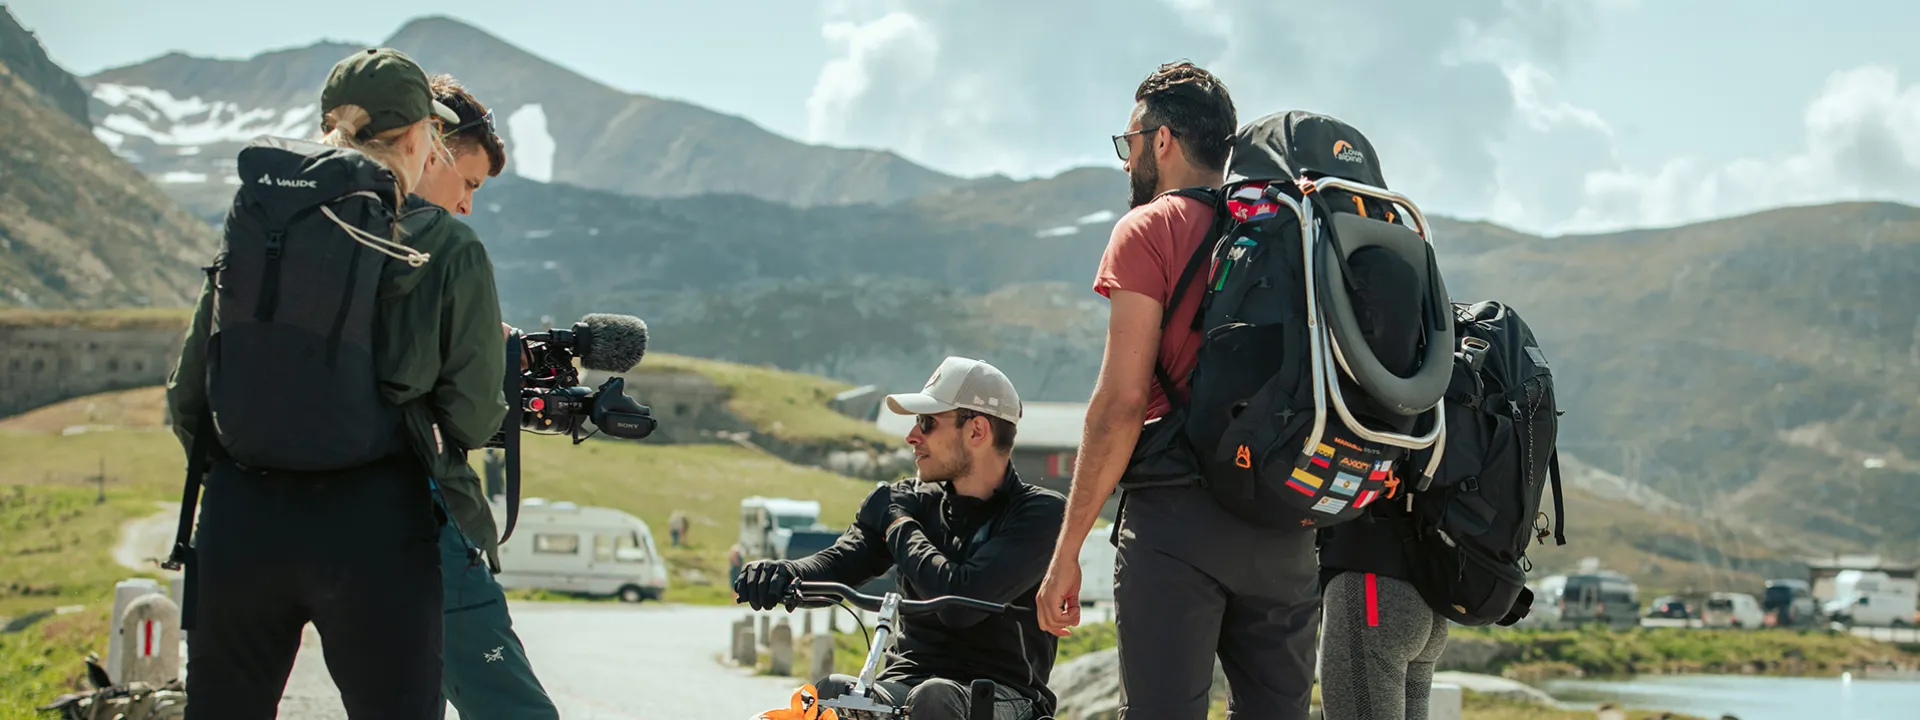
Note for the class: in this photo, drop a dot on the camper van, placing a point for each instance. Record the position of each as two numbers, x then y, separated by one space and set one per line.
1097 558
563 547
1729 609
1870 598
1598 597
767 523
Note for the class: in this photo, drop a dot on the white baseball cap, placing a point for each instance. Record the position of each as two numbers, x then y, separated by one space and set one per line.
962 383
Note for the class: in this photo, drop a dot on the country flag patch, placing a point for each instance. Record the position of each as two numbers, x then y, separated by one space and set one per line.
1366 498
1302 476
1346 484
1380 470
1330 505
1323 457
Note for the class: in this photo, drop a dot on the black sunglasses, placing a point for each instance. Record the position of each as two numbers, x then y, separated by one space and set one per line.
929 423
1120 146
485 119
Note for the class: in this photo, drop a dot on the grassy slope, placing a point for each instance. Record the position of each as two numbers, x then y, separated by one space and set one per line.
787 405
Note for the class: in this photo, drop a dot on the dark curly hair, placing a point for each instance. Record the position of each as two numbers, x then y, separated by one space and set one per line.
1193 104
475 135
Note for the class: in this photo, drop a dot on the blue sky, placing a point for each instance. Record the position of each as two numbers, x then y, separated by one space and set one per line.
1546 115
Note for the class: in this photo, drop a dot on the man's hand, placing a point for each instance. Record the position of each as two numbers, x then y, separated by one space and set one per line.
763 584
1058 604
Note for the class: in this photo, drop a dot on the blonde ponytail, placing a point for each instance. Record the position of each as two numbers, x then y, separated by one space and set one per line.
344 125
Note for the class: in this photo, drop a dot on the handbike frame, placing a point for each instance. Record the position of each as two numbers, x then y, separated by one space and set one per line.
889 608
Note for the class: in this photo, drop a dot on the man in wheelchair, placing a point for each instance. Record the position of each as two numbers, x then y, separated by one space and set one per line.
965 526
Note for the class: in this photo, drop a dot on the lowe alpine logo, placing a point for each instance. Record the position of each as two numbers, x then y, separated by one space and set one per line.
283 182
1344 150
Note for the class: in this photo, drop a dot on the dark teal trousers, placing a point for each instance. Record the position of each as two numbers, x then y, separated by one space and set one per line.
484 671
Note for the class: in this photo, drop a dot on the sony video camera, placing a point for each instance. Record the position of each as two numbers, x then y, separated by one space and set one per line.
550 398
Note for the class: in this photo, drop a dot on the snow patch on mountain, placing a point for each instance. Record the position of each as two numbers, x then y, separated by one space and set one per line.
158 116
532 146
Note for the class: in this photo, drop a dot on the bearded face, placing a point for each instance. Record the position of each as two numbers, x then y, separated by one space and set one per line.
1143 174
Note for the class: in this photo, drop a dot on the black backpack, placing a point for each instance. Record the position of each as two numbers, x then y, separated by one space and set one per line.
1269 426
1474 523
291 380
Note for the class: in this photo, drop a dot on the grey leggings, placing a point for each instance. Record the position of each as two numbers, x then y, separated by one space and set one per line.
1378 645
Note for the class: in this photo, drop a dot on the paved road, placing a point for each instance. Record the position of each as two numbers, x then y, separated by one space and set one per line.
602 662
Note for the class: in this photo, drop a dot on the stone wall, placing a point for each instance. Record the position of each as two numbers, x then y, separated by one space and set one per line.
42 365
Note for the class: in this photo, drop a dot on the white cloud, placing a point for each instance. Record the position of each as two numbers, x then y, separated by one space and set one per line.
1862 143
1460 98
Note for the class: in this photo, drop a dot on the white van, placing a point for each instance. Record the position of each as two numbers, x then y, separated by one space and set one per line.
1739 610
1870 598
562 547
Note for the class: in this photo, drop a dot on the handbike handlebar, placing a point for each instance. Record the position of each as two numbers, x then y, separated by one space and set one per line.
803 592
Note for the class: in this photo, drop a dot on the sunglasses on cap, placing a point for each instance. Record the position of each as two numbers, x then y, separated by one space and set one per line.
929 423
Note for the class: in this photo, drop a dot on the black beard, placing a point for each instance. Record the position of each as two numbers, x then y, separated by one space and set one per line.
1144 178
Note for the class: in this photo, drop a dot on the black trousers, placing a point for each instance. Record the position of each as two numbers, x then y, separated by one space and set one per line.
355 553
1193 582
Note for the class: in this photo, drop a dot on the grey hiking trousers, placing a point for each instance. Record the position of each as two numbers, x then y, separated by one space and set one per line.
1193 582
1378 646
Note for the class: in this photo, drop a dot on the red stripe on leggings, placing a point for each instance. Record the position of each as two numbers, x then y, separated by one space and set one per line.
1373 603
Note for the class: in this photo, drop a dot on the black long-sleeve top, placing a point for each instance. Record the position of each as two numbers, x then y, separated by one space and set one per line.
995 550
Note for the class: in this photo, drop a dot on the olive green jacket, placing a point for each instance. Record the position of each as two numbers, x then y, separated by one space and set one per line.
439 352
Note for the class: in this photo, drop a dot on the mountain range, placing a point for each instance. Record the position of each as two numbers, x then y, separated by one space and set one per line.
78 226
182 118
1762 371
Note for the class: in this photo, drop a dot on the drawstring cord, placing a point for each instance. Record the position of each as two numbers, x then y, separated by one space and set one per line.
382 245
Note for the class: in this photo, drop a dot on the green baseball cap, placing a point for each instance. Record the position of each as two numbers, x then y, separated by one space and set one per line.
386 83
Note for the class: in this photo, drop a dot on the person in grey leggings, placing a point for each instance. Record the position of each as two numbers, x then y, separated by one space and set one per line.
1379 639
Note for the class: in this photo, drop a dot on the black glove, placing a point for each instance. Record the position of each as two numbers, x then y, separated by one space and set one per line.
763 584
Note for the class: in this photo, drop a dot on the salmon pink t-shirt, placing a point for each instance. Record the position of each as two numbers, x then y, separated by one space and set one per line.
1149 248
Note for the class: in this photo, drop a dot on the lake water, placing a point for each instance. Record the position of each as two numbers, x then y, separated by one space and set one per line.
1751 698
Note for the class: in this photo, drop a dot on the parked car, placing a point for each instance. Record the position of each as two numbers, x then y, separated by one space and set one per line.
1789 603
1672 607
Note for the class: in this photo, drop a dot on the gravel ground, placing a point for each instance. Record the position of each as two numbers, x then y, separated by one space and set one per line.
602 662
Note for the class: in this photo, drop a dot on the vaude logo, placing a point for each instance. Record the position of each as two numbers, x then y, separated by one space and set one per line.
283 182
1344 150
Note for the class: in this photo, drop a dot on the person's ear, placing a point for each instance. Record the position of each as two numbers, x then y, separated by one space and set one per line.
1163 144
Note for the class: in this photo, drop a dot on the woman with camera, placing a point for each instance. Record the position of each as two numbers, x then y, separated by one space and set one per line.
345 350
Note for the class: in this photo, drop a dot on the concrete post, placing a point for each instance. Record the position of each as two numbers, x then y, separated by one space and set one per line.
743 625
150 632
780 649
822 658
124 593
748 652
806 622
1443 701
766 623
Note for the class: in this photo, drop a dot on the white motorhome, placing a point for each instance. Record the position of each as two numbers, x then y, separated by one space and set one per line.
563 547
1729 609
1871 598
766 523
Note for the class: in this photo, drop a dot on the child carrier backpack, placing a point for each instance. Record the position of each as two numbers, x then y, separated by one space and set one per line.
1326 329
291 382
1474 523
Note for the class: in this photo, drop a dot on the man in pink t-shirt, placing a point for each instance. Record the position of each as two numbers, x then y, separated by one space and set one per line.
1192 581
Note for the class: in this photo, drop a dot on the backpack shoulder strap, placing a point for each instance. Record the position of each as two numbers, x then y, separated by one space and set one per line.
1201 254
1559 505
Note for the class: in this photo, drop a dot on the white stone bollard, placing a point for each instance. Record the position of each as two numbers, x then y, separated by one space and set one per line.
150 633
822 658
124 593
1443 701
780 649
